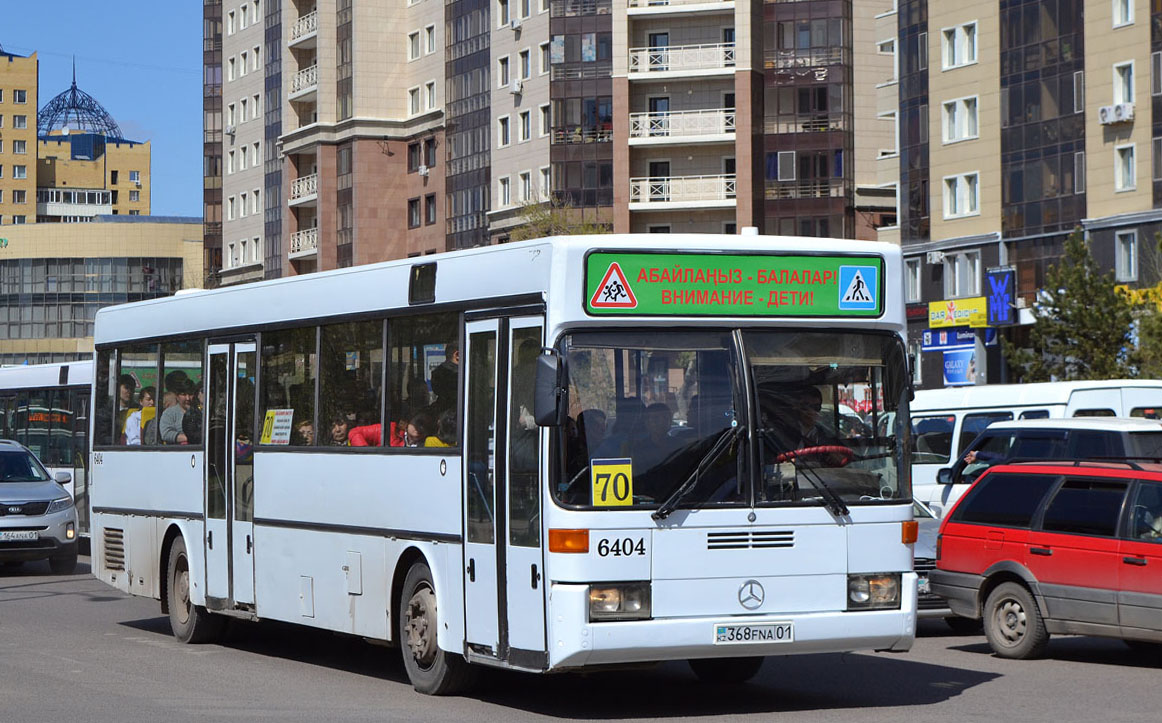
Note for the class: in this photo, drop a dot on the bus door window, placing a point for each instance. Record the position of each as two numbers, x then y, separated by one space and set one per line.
106 395
481 440
216 457
524 449
243 436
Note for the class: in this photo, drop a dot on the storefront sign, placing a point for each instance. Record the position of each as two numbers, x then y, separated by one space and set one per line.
970 312
1001 286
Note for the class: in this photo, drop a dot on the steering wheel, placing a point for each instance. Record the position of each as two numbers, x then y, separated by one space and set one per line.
845 453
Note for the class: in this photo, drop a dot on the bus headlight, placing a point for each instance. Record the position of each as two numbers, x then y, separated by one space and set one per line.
619 601
59 505
873 592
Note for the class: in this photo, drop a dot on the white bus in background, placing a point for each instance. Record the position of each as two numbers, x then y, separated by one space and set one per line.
656 494
945 421
45 407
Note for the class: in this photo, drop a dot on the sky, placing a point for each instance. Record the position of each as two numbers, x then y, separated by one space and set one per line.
142 61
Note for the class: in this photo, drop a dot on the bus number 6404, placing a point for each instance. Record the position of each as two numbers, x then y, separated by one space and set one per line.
621 547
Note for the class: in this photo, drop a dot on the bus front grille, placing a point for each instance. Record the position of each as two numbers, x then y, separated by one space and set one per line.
749 539
114 549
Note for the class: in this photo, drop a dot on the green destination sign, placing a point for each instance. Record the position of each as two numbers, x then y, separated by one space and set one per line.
674 284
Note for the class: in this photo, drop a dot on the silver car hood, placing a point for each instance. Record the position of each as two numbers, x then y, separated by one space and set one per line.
30 491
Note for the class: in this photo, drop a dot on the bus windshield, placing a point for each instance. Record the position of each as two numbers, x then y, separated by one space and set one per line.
665 418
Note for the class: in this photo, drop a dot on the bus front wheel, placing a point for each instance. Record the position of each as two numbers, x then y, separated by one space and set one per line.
431 670
190 623
725 670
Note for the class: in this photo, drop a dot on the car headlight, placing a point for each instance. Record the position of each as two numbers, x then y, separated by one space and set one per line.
59 505
619 601
873 592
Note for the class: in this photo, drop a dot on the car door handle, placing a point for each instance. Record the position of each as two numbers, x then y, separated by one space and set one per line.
1139 561
249 544
210 539
1041 551
471 569
536 577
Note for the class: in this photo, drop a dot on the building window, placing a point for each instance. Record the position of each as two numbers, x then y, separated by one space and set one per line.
20 171
922 51
1078 91
413 213
786 166
430 39
413 157
546 58
255 109
230 209
242 110
914 356
20 122
413 45
20 147
414 101
959 45
1125 172
256 58
19 97
430 209
134 196
242 58
503 136
241 159
19 196
243 16
1123 12
257 157
526 64
1157 143
502 74
960 120
505 194
430 152
230 115
526 125
242 205
1126 245
502 12
1079 172
230 69
135 176
525 187
230 23
961 274
1124 82
430 94
961 195
255 201
18 220
229 162
546 120
546 181
912 270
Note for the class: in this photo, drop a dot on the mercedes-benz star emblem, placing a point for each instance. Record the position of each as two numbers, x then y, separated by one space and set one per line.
750 595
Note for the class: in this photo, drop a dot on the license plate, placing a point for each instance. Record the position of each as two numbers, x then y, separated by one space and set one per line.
925 587
754 634
18 535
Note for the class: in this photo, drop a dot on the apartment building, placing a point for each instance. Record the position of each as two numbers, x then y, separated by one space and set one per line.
409 127
1021 120
18 104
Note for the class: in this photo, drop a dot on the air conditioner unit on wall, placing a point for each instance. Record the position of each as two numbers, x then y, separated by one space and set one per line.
423 170
230 130
514 23
935 257
517 87
1105 115
1124 112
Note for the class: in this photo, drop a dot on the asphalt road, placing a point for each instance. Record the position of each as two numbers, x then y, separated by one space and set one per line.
73 649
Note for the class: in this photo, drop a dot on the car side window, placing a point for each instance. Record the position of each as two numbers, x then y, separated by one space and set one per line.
1091 444
1035 414
974 424
1005 499
1086 506
1038 445
1146 512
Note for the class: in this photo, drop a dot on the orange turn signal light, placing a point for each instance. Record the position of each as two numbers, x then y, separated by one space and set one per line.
909 531
569 541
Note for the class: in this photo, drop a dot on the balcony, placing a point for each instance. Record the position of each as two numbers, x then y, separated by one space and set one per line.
579 8
671 7
305 31
304 84
304 190
580 134
73 202
674 61
715 125
304 243
682 192
806 58
814 189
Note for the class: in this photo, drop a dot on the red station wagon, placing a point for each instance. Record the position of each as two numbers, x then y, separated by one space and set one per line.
1070 548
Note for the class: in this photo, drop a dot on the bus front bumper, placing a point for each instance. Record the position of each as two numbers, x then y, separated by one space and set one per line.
574 645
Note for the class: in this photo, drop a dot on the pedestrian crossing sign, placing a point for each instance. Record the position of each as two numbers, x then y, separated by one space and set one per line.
858 287
614 291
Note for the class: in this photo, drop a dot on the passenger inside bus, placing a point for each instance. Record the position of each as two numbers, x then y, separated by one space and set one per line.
340 425
419 428
304 435
445 435
171 419
138 420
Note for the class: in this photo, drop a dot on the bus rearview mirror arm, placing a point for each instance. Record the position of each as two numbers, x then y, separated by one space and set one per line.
549 399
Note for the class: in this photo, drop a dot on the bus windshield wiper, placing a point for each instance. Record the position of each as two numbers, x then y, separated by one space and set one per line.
725 440
831 500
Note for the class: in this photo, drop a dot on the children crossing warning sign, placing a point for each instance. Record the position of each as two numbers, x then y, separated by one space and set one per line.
613 292
859 287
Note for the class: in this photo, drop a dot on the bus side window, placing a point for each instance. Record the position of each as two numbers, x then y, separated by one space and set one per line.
106 395
180 382
424 373
289 367
136 401
351 377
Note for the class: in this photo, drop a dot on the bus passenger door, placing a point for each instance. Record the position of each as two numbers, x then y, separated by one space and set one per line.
525 588
481 589
228 424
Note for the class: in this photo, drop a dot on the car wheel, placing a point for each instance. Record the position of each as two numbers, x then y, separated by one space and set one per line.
963 626
726 670
431 670
64 564
190 623
1013 624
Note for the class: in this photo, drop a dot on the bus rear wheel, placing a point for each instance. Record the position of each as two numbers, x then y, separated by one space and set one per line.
725 670
190 623
430 670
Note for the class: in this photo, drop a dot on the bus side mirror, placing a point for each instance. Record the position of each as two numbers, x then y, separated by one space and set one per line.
944 476
548 402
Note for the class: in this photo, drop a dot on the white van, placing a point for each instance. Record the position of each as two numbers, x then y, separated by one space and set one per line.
945 421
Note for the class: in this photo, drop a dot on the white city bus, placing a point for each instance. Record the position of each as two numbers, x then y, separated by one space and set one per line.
45 407
548 455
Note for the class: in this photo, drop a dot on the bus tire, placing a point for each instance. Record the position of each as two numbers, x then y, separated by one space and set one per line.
431 671
1013 624
721 671
190 623
65 564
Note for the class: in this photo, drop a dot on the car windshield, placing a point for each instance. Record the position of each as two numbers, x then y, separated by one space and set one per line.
665 419
20 466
